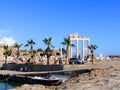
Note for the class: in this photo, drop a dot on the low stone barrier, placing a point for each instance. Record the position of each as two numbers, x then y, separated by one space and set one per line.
31 67
37 67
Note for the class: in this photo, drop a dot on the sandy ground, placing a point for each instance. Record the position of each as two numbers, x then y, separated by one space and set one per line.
99 79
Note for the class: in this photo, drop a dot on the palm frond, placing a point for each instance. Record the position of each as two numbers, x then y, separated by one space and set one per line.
52 46
26 45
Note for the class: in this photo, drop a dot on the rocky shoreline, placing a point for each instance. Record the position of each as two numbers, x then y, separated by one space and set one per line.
99 79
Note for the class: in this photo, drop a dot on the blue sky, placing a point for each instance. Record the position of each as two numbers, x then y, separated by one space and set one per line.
99 20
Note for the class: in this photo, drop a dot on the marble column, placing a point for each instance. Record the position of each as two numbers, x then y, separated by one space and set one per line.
88 44
77 48
82 49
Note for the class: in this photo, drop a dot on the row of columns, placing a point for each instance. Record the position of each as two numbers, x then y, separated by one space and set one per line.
88 51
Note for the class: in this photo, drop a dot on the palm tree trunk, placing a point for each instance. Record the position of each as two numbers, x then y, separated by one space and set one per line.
48 60
67 55
93 61
5 59
18 53
31 50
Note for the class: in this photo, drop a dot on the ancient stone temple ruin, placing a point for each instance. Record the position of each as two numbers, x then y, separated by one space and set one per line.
77 38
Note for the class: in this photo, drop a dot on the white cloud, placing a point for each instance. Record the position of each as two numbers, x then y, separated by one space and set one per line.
4 31
7 41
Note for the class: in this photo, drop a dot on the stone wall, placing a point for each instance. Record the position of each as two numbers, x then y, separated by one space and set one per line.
30 67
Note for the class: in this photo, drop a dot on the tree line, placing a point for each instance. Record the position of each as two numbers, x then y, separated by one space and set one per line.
47 51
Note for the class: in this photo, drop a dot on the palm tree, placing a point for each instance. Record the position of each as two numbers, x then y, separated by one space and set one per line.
17 46
92 49
47 41
30 43
63 51
68 44
7 52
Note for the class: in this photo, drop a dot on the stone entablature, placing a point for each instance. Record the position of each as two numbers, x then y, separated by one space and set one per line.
76 37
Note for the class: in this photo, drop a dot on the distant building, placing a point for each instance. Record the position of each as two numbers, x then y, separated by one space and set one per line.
1 52
114 56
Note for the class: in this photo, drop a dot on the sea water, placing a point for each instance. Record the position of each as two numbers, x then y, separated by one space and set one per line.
8 85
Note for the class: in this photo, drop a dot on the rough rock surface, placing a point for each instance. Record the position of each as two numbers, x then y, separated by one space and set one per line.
99 79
